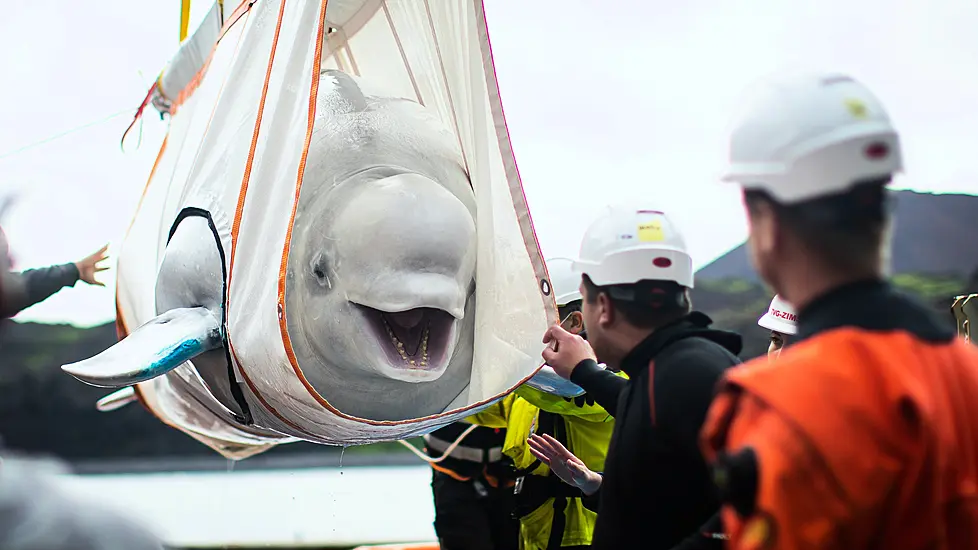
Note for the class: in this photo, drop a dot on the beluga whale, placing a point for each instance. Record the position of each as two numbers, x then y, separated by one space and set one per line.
327 251
383 257
381 273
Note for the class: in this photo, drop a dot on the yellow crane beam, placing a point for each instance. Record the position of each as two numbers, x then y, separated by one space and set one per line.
184 19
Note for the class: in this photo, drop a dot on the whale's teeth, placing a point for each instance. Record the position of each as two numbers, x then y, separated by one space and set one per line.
424 346
399 346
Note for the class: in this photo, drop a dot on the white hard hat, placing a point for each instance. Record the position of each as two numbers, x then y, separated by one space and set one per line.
626 245
806 135
565 283
780 317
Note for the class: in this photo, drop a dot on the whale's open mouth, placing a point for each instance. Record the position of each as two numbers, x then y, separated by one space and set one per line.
416 339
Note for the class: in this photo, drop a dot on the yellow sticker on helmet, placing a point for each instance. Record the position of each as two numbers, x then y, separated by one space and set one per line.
857 108
651 232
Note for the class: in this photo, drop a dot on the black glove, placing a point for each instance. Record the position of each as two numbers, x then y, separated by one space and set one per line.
581 400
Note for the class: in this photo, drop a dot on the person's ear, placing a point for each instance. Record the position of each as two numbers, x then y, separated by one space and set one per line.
575 323
764 229
606 312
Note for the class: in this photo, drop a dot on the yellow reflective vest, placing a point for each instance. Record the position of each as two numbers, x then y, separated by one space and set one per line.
584 428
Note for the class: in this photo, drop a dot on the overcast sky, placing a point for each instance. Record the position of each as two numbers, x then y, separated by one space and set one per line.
604 105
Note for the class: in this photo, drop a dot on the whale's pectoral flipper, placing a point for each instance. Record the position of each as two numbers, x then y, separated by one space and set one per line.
117 399
546 380
159 346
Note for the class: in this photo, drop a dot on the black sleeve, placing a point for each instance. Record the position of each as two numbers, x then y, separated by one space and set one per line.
591 501
683 391
603 385
36 285
682 394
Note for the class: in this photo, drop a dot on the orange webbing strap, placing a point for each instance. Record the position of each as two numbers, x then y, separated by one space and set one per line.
452 474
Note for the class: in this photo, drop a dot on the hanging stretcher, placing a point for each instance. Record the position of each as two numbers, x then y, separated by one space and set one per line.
242 218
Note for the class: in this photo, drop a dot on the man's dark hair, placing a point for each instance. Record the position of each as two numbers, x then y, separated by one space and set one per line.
845 231
645 304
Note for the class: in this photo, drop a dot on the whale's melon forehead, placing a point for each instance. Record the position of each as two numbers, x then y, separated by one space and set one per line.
406 221
385 192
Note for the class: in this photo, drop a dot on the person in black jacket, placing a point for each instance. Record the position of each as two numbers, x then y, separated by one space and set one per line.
656 491
473 489
21 290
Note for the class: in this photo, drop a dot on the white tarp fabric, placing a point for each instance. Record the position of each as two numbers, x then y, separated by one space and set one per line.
236 147
189 59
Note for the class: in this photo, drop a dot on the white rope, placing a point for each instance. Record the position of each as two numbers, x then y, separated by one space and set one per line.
444 455
62 134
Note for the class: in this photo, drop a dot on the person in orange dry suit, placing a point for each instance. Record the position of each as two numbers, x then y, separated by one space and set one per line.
864 433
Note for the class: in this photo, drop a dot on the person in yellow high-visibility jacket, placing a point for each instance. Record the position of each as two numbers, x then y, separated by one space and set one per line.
552 513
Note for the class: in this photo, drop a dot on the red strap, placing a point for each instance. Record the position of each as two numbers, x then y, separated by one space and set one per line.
139 113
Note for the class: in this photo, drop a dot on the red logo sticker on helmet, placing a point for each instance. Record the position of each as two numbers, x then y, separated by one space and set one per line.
877 151
662 261
784 315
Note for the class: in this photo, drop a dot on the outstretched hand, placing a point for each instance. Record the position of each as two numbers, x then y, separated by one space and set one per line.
570 469
567 351
90 265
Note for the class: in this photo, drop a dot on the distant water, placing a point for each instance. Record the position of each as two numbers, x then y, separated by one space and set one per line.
324 506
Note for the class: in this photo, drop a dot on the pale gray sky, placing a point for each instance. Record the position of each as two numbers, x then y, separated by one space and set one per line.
604 105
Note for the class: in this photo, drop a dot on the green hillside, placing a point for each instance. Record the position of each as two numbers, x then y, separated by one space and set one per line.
736 304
